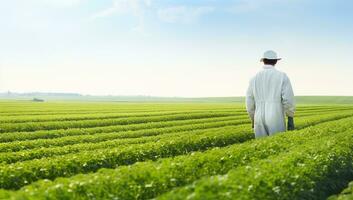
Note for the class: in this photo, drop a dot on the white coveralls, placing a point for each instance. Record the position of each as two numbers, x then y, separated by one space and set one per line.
268 99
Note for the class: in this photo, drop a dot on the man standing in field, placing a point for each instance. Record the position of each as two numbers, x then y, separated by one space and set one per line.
269 98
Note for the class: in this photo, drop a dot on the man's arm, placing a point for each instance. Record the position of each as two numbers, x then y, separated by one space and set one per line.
250 102
288 97
288 102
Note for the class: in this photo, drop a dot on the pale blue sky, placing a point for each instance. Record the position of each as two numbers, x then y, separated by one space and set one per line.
173 48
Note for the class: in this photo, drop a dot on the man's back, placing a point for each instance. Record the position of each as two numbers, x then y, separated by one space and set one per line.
269 98
267 84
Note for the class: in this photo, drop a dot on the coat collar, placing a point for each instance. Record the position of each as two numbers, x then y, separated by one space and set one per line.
268 67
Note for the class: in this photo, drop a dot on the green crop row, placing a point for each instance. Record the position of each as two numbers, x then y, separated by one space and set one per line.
50 108
314 170
21 136
71 140
113 119
148 179
52 113
13 176
125 139
10 127
46 134
27 150
306 121
45 118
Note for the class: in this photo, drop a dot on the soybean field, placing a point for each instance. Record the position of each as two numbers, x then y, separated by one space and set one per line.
122 151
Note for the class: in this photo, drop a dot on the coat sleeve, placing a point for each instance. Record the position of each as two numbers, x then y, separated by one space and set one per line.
250 101
288 97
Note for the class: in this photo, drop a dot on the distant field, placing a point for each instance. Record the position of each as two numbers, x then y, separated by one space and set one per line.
171 150
80 98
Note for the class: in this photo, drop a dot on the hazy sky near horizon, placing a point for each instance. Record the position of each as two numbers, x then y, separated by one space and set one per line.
184 48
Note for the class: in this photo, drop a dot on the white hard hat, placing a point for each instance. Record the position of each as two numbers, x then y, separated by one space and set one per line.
271 55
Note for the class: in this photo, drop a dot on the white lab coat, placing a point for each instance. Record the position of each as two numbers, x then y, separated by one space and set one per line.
268 99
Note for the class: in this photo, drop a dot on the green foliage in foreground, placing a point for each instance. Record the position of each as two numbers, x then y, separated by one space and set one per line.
313 171
150 179
346 194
